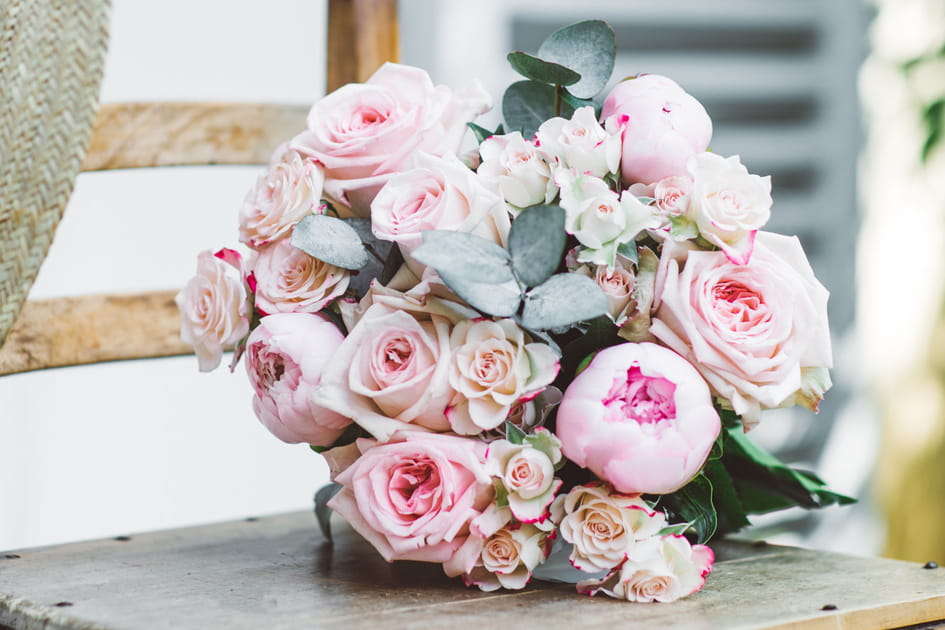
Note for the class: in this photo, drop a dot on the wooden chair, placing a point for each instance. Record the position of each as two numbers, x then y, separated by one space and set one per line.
362 34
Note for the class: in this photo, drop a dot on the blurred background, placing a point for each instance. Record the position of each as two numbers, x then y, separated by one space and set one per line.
841 102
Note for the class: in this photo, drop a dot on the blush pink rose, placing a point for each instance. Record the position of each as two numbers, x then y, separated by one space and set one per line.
364 132
660 569
439 194
214 307
640 417
666 127
290 281
414 498
290 189
285 357
516 167
757 332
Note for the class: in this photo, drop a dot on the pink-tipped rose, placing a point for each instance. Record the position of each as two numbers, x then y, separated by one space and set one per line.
661 569
285 357
415 497
527 473
757 332
213 306
509 556
290 281
364 132
666 127
640 417
516 167
290 189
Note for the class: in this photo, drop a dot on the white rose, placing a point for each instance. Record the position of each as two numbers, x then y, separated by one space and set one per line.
290 281
290 189
582 143
493 367
214 308
518 169
602 525
728 204
660 569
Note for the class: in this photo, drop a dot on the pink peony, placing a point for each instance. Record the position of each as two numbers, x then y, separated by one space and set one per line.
364 132
757 332
290 281
666 127
640 417
285 357
214 307
415 498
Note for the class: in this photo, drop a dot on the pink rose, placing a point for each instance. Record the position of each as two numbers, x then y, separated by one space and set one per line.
285 357
290 189
661 569
214 308
439 194
640 417
509 556
757 332
666 127
516 167
363 133
414 498
527 472
290 281
582 143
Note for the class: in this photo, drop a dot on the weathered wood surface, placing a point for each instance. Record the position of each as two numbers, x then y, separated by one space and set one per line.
134 135
279 572
89 329
362 35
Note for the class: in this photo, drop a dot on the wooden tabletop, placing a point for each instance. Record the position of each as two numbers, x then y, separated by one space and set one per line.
279 572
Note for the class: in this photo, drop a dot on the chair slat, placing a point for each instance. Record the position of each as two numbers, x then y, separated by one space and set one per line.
362 35
89 329
133 135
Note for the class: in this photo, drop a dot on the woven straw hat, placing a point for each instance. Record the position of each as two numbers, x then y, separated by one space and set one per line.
51 59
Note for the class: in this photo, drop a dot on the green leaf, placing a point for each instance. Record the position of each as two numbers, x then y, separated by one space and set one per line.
600 334
730 513
629 251
322 511
577 103
589 48
501 494
464 255
499 300
514 434
331 240
374 268
675 530
562 300
481 133
527 104
693 502
392 263
536 243
540 70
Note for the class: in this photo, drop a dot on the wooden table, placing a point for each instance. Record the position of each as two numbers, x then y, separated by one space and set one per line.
279 572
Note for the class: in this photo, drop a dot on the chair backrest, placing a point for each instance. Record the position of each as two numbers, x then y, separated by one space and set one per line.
362 34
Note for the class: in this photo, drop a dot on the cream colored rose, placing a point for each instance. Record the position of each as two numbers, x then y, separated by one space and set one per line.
493 367
518 169
603 526
527 472
214 308
661 569
290 281
509 556
290 189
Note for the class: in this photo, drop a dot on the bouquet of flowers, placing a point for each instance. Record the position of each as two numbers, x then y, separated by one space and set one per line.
539 357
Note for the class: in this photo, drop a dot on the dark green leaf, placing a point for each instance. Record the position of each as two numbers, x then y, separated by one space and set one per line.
464 256
361 281
481 133
536 243
393 262
629 251
589 48
562 300
540 70
693 503
600 334
331 240
513 434
527 104
322 511
730 513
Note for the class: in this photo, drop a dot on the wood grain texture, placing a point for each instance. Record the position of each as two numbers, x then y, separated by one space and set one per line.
90 329
279 572
133 135
362 35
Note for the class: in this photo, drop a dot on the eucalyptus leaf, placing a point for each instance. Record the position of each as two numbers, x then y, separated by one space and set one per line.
536 243
562 300
513 434
481 133
577 103
589 48
375 266
629 251
497 299
331 240
322 511
527 104
464 257
540 70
